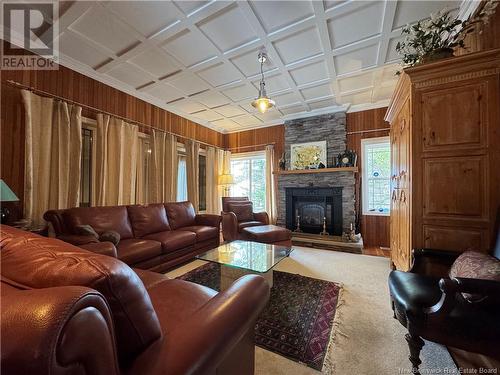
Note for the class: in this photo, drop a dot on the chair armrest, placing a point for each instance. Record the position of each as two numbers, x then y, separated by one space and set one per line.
487 288
103 248
77 239
433 262
229 226
263 217
208 219
56 330
215 329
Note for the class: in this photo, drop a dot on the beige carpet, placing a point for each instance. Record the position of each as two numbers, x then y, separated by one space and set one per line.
368 340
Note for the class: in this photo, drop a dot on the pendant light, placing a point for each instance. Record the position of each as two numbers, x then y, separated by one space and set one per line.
263 103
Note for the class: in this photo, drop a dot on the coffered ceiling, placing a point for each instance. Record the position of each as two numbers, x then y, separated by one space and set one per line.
199 58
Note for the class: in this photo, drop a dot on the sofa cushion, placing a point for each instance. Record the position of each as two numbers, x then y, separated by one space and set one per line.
227 200
173 240
243 211
475 265
135 250
102 219
203 232
148 219
35 262
246 224
180 214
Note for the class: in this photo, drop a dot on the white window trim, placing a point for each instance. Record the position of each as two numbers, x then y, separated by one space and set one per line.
364 192
248 156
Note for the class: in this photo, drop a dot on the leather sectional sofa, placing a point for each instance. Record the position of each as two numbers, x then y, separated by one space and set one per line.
153 237
66 310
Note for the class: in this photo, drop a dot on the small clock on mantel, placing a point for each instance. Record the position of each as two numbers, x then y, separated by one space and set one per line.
346 159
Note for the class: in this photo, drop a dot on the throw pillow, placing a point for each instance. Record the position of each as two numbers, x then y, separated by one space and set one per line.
110 236
475 265
86 230
243 211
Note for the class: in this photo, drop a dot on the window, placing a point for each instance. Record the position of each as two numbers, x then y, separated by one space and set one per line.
142 183
86 168
376 168
202 182
182 191
249 173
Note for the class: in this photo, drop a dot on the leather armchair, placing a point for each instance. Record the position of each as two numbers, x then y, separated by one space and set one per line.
432 306
231 228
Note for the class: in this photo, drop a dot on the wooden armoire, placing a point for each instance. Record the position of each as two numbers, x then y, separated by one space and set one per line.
445 151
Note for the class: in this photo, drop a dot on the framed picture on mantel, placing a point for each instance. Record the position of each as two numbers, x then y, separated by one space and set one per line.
309 155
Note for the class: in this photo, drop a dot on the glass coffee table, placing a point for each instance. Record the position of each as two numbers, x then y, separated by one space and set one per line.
240 258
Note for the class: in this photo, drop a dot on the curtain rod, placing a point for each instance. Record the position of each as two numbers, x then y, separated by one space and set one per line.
252 146
368 131
97 110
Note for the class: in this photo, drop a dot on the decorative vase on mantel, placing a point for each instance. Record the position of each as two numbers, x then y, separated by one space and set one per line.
437 54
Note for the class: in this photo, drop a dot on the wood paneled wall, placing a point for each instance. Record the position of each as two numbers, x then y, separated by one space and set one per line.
361 125
74 86
246 140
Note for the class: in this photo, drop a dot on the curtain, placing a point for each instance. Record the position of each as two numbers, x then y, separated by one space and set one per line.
270 185
213 195
163 168
192 155
53 147
116 161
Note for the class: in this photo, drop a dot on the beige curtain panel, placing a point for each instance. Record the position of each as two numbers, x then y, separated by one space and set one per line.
213 195
270 185
53 147
192 155
116 161
163 168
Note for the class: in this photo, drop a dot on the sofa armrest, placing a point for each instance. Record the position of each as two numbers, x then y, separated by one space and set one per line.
214 330
103 248
77 239
208 219
229 226
263 217
433 262
486 288
56 330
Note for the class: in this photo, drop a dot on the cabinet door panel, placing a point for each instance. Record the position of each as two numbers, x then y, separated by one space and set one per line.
443 110
454 187
454 238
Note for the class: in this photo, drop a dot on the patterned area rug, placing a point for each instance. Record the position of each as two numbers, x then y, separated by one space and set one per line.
298 320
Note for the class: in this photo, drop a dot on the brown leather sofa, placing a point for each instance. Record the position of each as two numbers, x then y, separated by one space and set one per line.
254 227
155 237
66 310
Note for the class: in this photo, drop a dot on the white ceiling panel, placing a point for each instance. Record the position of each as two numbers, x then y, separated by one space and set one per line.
357 25
317 92
220 74
241 92
105 29
147 17
228 28
356 60
190 48
156 62
198 59
412 11
188 83
130 75
275 15
164 92
299 46
309 73
211 99
80 50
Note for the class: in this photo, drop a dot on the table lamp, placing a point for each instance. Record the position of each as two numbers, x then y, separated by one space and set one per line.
226 180
6 195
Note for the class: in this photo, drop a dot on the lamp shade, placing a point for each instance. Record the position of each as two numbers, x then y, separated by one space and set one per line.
7 195
226 179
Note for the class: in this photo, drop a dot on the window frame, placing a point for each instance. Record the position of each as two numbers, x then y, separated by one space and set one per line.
252 155
364 173
91 125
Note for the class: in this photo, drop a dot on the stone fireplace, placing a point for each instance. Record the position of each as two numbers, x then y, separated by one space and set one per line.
317 195
312 207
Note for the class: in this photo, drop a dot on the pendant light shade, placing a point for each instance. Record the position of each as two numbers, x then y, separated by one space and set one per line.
262 103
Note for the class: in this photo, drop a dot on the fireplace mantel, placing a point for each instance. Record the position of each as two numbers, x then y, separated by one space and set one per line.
320 170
